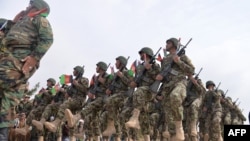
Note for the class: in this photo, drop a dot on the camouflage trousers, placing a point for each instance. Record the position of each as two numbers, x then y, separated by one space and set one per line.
94 108
35 114
154 119
191 115
12 87
50 110
114 104
172 103
74 104
88 126
125 114
213 125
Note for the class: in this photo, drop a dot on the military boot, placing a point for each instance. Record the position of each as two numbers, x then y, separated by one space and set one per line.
146 137
133 121
40 138
4 134
206 137
39 124
179 131
71 119
110 128
52 126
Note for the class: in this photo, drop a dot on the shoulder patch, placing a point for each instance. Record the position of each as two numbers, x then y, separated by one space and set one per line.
44 22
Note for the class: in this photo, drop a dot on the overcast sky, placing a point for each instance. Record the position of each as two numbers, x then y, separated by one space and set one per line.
89 31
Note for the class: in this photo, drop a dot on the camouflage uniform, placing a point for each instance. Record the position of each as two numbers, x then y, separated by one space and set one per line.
192 103
45 99
174 89
124 117
213 113
142 96
95 107
24 106
77 92
29 36
114 103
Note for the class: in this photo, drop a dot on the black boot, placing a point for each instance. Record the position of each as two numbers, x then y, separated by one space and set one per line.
4 134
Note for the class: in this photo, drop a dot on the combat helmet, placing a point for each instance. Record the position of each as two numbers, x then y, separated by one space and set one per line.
102 65
53 81
209 83
79 69
147 50
123 60
41 4
174 41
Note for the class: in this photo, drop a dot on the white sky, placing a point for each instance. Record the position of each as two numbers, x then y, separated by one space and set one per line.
89 31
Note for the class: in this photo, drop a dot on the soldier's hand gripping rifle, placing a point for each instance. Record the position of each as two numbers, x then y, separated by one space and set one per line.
196 78
113 84
138 77
97 84
154 87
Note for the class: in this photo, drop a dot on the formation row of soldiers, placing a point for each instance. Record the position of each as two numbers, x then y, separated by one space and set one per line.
131 105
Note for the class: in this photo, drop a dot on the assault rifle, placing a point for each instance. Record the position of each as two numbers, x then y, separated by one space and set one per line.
112 85
196 77
138 77
97 84
154 87
3 25
235 101
224 95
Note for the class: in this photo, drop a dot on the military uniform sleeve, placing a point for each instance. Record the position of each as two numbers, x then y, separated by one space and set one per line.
126 78
154 70
45 37
186 65
82 85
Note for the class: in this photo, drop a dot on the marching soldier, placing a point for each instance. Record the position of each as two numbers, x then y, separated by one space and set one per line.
174 87
142 96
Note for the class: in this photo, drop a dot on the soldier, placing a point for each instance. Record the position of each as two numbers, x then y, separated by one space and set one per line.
98 91
77 92
117 90
28 40
142 96
174 87
24 106
192 103
51 109
213 112
45 99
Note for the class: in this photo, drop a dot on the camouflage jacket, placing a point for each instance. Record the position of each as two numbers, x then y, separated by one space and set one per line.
212 101
24 107
120 84
29 36
178 71
194 91
149 75
79 89
98 88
